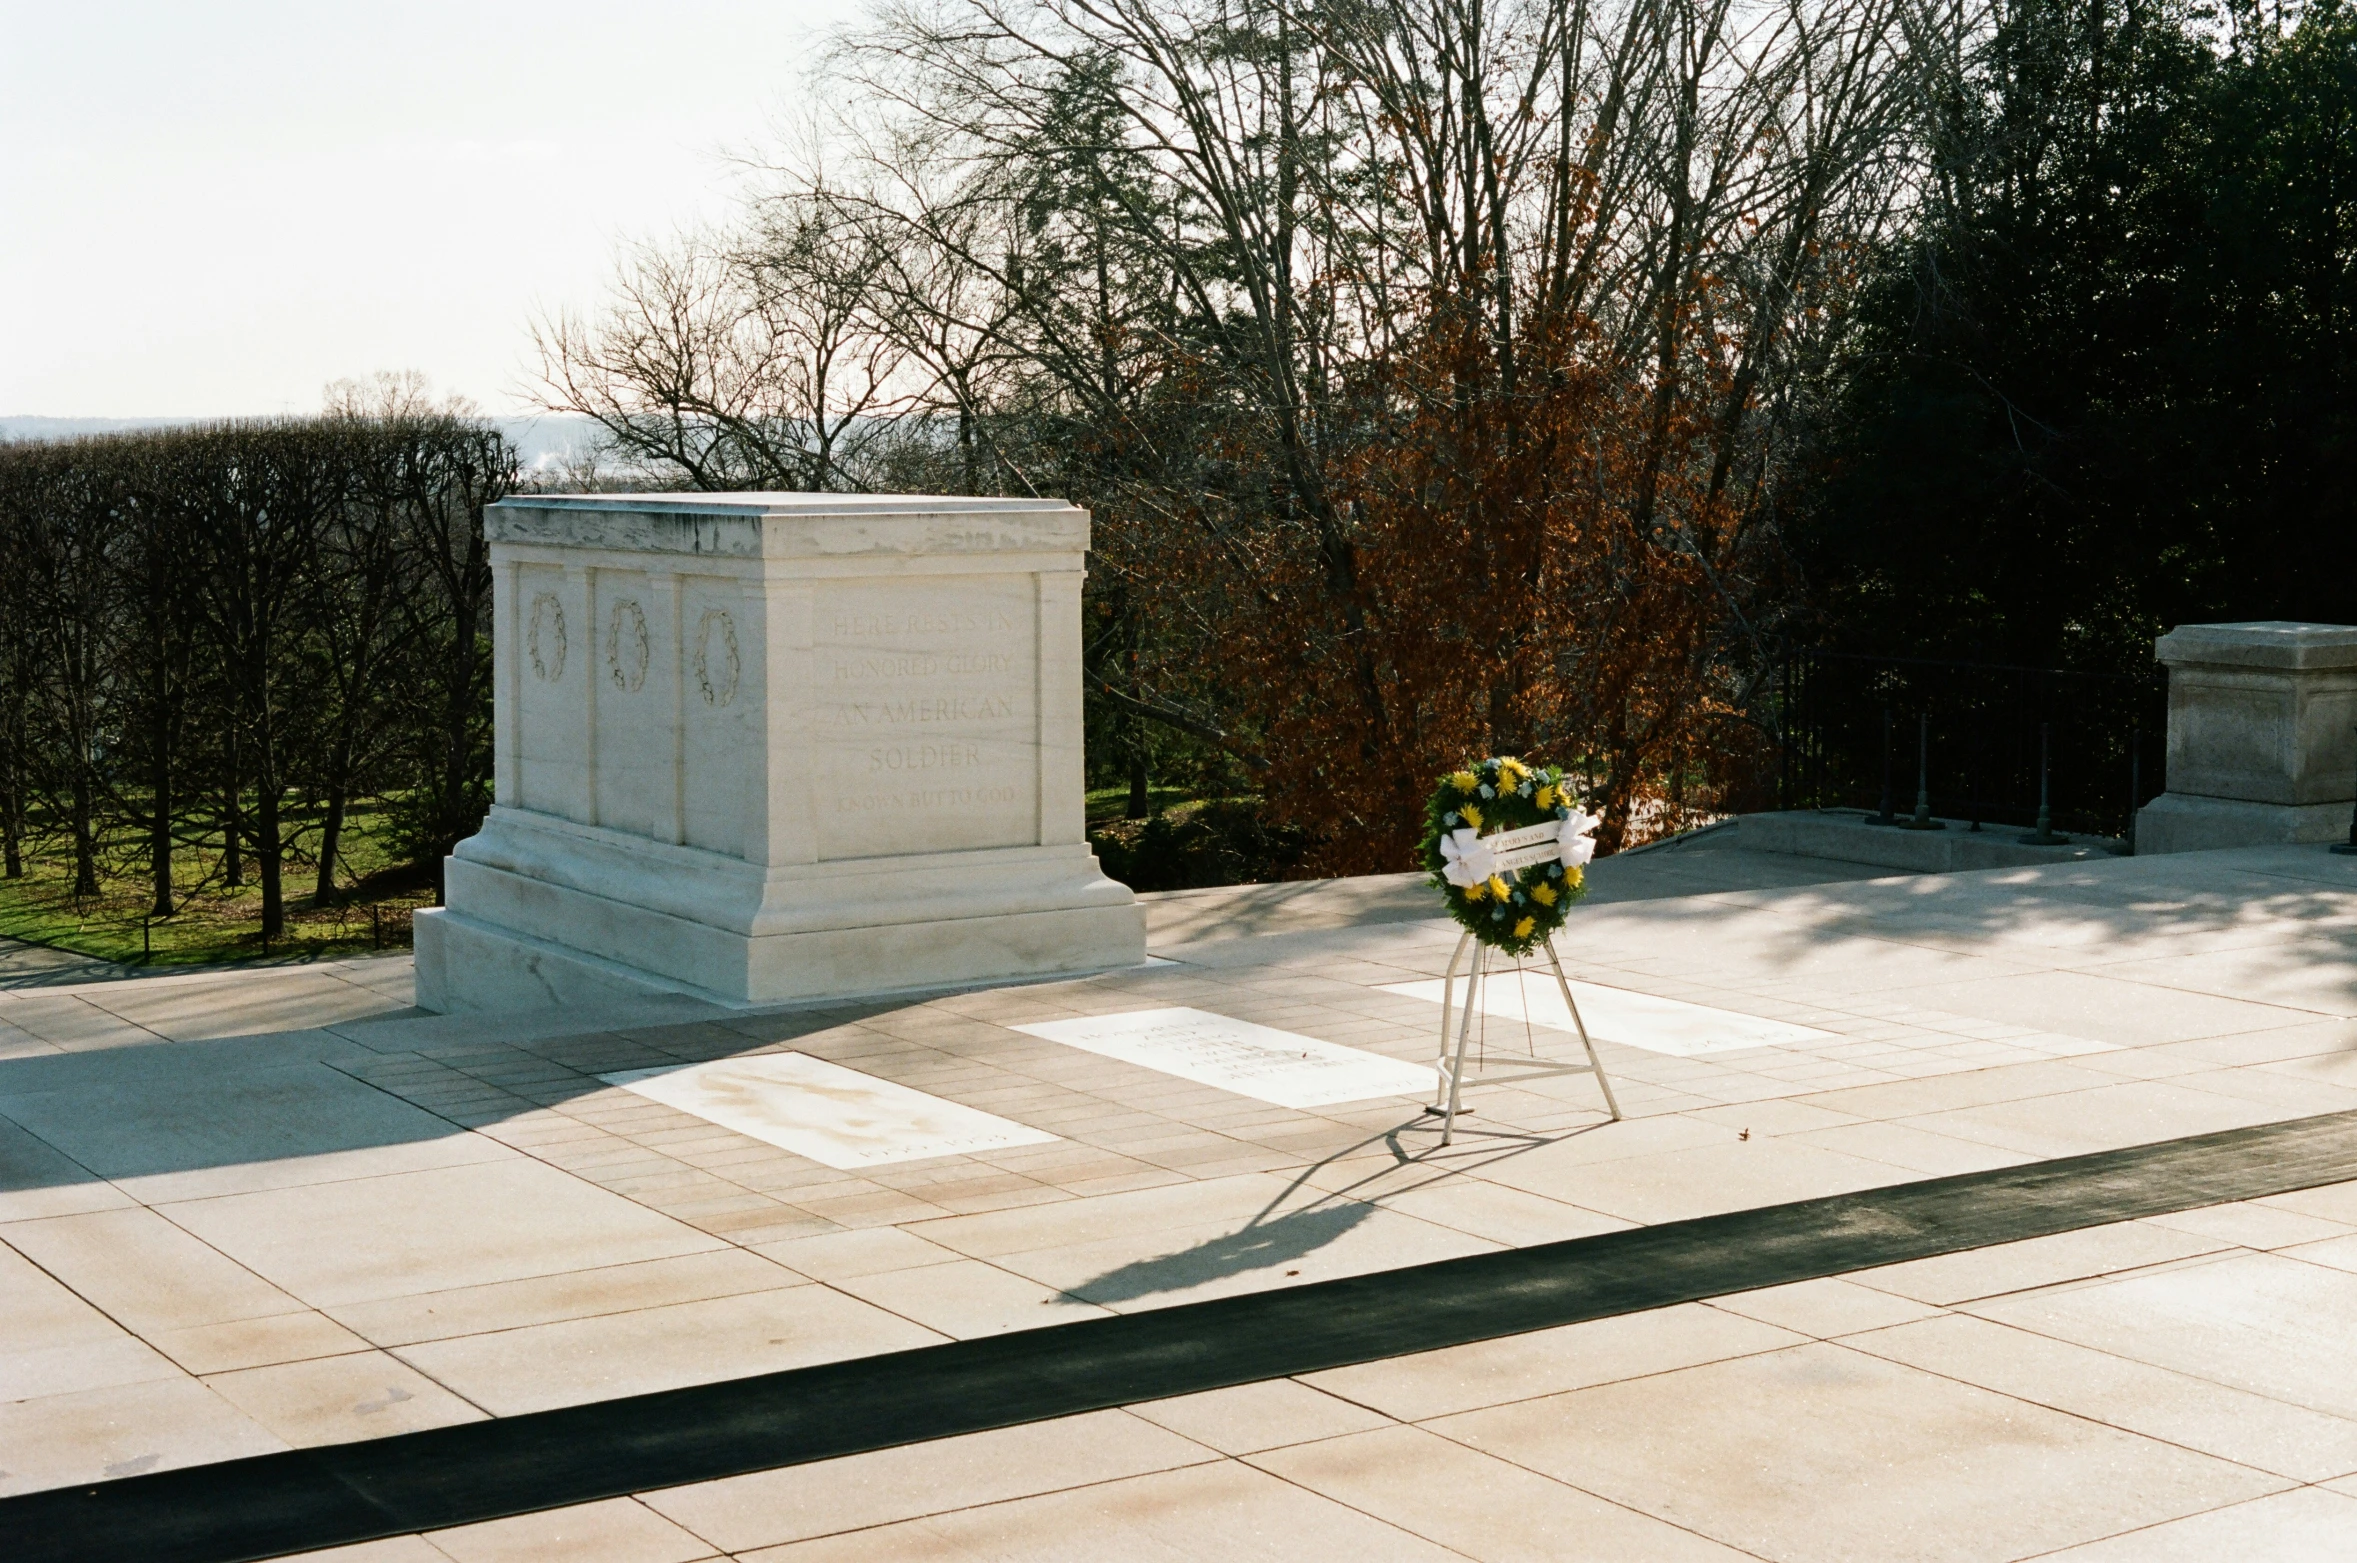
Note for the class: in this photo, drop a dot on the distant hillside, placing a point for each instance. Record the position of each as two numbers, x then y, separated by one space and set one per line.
543 443
69 428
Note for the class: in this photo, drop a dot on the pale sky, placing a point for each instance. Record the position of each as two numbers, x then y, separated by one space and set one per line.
215 209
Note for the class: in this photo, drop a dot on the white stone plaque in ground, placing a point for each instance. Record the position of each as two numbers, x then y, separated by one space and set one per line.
1621 1015
1235 1055
823 1111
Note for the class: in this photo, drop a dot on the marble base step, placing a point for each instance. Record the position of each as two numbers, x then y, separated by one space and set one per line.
1849 836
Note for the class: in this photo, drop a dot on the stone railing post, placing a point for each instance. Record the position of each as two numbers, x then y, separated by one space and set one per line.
2262 750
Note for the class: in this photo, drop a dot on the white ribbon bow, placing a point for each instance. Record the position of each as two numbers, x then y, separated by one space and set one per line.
1576 847
1470 861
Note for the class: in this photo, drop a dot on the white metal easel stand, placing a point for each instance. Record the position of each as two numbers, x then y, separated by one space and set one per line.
1452 1062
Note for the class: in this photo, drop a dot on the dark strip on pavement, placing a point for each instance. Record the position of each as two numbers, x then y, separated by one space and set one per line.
271 1505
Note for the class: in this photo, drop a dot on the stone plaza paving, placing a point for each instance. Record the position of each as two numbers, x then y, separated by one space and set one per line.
270 1209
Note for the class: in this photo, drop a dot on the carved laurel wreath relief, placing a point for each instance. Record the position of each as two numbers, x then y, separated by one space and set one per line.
717 669
627 646
546 638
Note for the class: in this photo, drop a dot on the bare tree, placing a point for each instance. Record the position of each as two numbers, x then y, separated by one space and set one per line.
69 513
21 659
358 572
294 611
751 362
259 496
1305 296
159 663
1302 284
448 469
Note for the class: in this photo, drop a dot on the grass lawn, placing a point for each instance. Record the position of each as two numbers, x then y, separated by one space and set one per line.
214 923
1108 803
1188 843
1193 841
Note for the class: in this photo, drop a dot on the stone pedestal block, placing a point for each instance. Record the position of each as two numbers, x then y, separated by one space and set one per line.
763 747
2262 737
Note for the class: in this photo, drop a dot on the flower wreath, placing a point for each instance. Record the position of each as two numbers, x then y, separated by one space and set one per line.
1507 884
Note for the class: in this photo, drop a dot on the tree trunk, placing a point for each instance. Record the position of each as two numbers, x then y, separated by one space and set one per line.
1141 801
85 835
159 838
85 780
267 859
233 861
12 807
331 837
269 849
967 475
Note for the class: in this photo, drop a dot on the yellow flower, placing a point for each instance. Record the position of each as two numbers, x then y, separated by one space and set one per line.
1472 816
1513 770
1546 798
1497 887
1543 894
1522 929
1476 892
1465 781
1575 878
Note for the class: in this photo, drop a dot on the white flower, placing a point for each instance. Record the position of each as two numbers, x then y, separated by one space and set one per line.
1469 861
1576 847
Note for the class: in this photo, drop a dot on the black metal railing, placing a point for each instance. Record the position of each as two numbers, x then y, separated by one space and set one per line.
1994 737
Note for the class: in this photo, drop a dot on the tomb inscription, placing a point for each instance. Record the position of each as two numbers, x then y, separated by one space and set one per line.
927 717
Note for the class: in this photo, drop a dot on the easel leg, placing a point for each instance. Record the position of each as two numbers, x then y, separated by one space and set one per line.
1603 1080
1448 989
1448 1124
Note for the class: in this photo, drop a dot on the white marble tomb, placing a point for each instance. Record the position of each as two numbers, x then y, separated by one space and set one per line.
764 747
